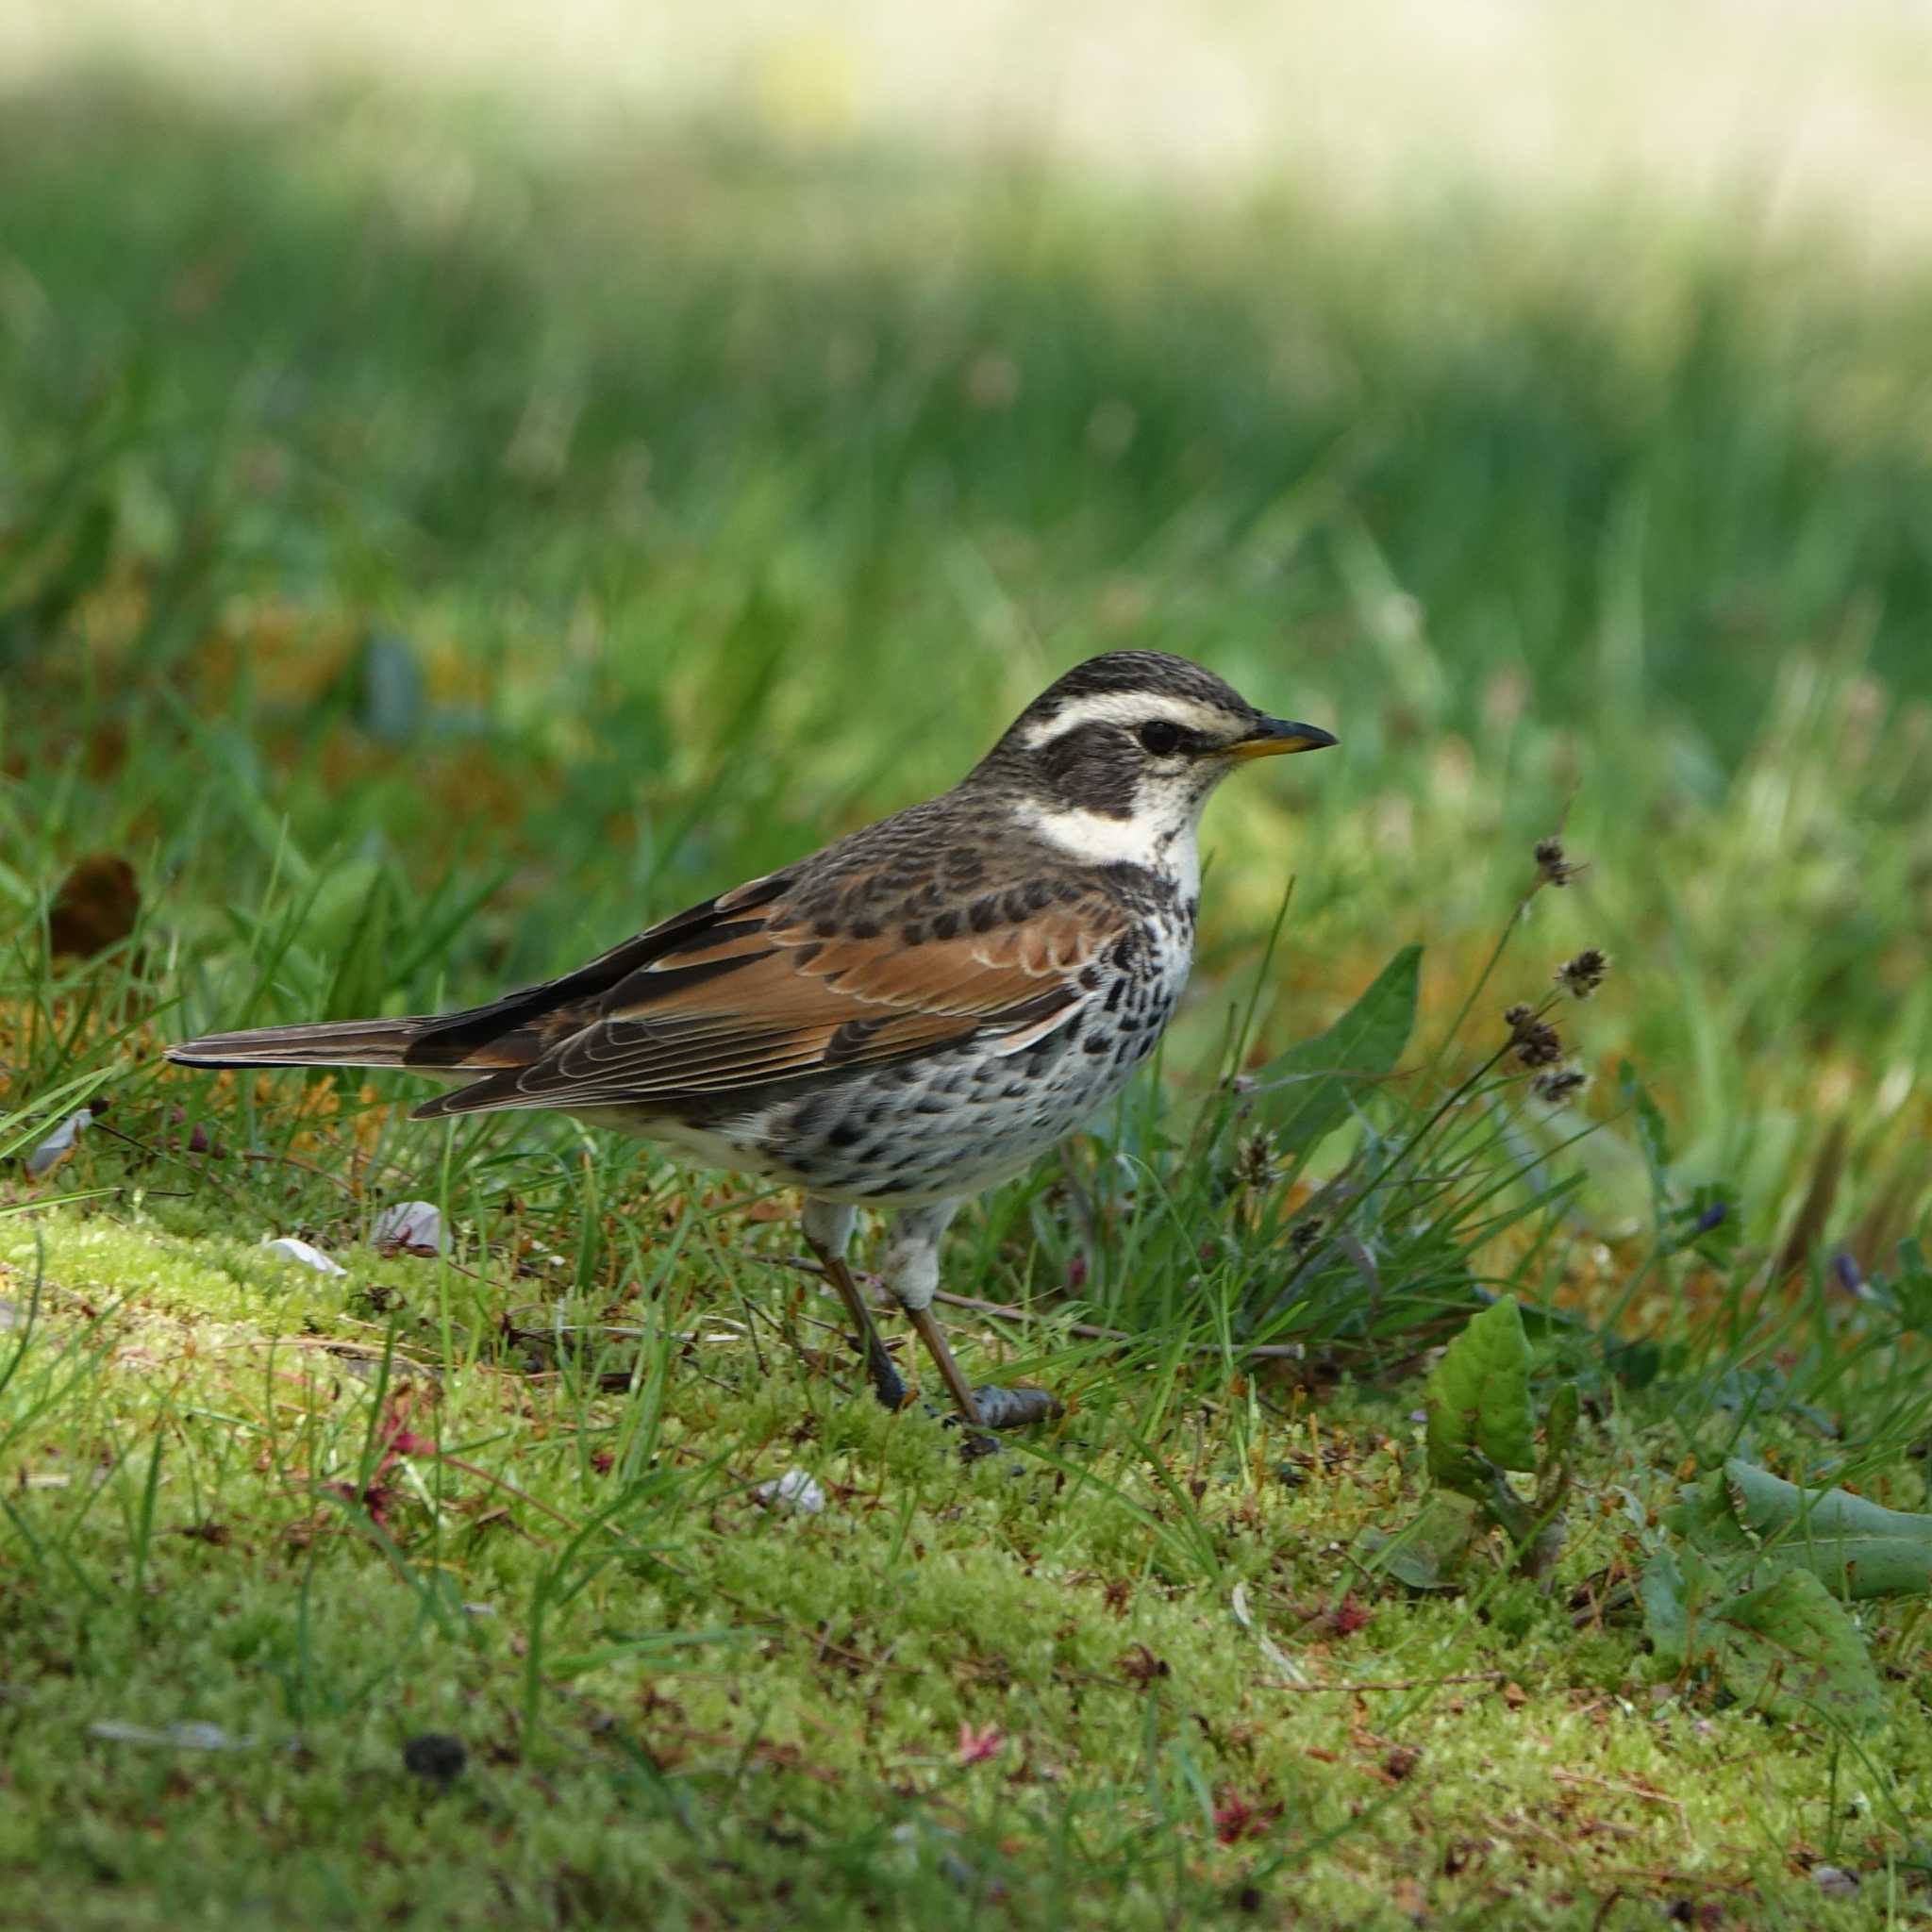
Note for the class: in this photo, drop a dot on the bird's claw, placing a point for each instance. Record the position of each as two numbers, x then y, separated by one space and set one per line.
1014 1408
886 1383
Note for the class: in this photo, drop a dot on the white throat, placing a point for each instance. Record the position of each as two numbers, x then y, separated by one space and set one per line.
1170 849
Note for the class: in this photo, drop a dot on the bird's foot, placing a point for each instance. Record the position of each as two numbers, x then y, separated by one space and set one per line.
1014 1408
887 1382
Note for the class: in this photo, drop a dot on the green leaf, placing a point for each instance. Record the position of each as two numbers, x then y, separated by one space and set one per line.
1651 1134
1789 1649
1665 1595
1635 1364
1785 1647
654 1644
1708 1221
1479 1412
38 1117
1559 1424
1428 1553
1559 1438
1702 1515
1854 1547
360 982
339 905
1318 1080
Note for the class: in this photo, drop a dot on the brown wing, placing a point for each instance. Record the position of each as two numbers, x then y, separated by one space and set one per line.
744 993
520 1026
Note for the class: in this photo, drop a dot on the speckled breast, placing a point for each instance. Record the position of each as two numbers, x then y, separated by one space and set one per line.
951 1124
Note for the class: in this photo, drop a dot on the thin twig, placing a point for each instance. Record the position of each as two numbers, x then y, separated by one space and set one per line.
1092 1332
1617 1785
1397 1683
307 1166
153 1153
1482 978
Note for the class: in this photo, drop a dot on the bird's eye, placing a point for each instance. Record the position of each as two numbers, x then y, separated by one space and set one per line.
1160 736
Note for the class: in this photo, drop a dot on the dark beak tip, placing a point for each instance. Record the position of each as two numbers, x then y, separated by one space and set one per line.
1297 737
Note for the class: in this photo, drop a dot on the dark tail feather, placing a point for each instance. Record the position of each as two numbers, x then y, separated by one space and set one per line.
330 1044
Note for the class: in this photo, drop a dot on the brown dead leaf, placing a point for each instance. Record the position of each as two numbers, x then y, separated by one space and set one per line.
96 907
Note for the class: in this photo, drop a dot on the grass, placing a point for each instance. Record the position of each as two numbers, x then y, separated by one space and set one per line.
423 563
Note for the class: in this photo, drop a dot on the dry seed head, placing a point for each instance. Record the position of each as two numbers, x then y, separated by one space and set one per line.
1558 1085
1581 977
1253 1162
1553 867
1304 1234
1532 1038
1540 1047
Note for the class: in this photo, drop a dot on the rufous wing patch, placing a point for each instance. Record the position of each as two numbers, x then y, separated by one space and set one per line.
740 1002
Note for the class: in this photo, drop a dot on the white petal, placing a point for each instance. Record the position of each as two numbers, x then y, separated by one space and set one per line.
794 1490
57 1144
293 1250
191 1736
413 1224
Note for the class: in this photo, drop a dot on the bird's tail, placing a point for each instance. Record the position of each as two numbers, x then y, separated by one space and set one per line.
326 1044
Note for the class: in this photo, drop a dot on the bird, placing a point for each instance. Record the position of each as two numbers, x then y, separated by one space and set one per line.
898 1021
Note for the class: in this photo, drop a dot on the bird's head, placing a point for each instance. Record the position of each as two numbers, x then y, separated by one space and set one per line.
1121 753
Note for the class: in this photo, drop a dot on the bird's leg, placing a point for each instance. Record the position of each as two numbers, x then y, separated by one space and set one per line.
827 1229
911 1270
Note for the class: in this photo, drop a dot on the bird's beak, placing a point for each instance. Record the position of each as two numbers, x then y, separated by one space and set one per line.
1274 736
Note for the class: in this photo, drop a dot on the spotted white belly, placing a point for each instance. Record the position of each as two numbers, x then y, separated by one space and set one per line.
949 1123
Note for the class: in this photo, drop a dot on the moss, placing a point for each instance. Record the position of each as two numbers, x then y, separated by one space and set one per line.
675 1698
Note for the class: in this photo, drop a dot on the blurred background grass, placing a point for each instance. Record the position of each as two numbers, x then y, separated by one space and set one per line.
569 491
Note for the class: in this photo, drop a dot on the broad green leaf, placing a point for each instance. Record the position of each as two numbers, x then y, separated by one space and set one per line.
1665 1595
1315 1082
1911 1294
1786 1648
1635 1364
1791 1650
1855 1547
1428 1553
1702 1515
1678 1589
362 978
1478 1403
341 903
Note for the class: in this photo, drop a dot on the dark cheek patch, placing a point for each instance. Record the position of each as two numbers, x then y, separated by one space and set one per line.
1088 768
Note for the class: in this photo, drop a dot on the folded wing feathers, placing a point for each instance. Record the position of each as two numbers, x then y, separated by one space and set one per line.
453 1040
743 1002
325 1043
